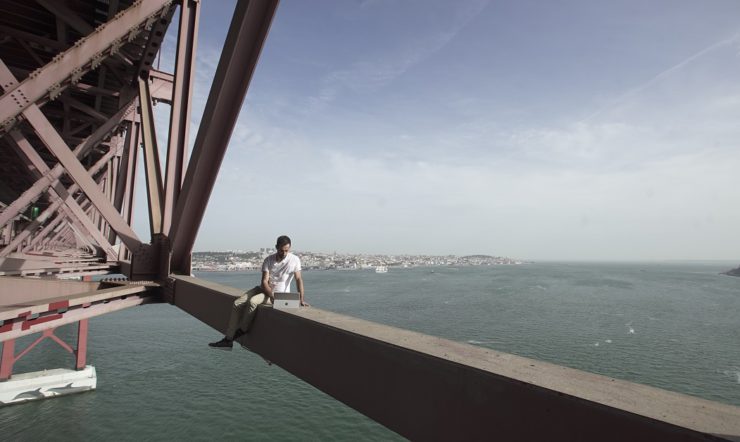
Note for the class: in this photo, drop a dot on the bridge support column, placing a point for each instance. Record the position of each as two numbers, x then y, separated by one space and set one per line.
46 383
81 352
7 360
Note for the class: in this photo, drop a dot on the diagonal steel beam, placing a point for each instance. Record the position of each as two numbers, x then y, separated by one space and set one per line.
129 196
17 242
61 235
6 78
123 175
85 55
151 159
44 233
64 194
51 139
187 38
244 41
17 206
69 161
81 240
112 171
95 90
160 86
89 110
71 18
123 169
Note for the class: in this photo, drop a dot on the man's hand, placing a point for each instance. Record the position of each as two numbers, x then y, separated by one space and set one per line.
305 304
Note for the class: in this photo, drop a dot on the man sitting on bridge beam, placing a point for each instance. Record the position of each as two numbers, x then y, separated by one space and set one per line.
278 271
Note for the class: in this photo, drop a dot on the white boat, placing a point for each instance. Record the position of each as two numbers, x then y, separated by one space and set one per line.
381 269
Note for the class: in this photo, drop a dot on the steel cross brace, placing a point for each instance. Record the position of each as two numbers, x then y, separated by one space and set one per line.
86 54
66 194
43 183
68 159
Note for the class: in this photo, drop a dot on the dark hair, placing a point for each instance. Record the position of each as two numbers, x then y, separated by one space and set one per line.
282 240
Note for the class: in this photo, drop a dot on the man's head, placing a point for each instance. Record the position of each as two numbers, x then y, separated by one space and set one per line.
282 246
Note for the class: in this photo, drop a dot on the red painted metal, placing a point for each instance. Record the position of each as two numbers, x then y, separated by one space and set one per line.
55 338
77 215
40 236
81 353
122 181
54 142
160 86
15 208
59 305
247 32
7 360
40 320
20 237
129 196
74 315
179 131
151 159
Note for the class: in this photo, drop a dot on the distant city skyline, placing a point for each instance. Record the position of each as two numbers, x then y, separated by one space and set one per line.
270 250
575 130
235 261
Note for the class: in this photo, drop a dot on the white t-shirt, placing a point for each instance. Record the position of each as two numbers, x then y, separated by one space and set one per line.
281 273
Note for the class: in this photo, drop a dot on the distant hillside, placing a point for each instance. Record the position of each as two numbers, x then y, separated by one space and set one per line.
733 272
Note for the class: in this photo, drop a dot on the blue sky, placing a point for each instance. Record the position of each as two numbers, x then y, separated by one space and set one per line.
573 130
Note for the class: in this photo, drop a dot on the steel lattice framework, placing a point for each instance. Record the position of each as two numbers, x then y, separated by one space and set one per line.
78 85
77 93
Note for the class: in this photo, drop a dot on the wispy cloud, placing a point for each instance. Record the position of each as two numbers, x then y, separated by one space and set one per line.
650 175
634 92
371 73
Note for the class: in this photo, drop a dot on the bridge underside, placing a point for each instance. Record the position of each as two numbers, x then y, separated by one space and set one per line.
78 88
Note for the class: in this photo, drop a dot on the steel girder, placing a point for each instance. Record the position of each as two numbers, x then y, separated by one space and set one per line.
151 159
177 146
247 33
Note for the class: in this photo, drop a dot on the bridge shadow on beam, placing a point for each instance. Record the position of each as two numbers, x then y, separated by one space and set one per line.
428 388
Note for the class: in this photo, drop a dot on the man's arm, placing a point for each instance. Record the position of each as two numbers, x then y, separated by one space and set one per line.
266 289
299 284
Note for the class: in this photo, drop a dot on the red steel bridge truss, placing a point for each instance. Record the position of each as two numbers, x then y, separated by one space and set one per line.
77 86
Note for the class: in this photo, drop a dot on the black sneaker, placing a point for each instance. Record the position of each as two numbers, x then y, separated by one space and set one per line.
223 344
